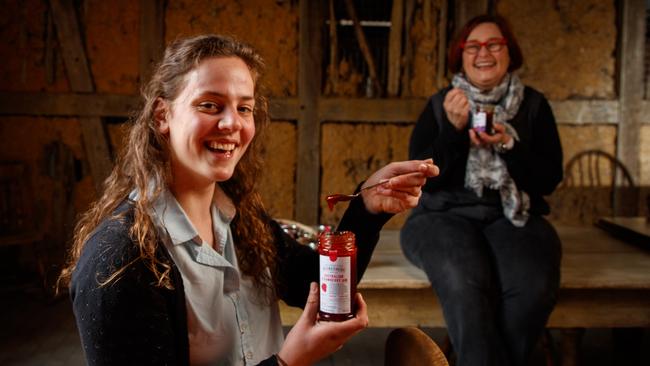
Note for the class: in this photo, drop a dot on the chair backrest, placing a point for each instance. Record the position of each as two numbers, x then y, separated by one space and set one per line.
411 346
595 184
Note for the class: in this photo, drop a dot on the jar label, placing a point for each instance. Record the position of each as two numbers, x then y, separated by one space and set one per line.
335 286
479 121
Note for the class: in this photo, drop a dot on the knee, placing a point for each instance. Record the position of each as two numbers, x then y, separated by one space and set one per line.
462 285
539 292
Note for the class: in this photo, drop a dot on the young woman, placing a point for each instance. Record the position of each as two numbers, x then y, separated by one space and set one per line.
178 263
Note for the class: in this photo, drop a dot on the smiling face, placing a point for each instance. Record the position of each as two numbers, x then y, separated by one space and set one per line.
486 69
210 123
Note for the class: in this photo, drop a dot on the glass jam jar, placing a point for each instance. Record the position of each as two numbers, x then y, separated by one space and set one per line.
338 275
482 118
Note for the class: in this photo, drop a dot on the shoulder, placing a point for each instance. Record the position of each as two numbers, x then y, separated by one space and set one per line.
534 96
438 97
109 247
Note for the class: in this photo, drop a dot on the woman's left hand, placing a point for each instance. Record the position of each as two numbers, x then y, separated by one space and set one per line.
402 187
500 136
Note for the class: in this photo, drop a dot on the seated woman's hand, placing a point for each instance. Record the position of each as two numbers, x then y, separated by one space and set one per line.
456 106
402 185
310 340
500 136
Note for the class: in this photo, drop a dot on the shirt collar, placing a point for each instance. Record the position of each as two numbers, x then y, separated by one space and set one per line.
173 218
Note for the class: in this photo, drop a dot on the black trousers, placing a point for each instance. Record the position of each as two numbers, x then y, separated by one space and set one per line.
497 283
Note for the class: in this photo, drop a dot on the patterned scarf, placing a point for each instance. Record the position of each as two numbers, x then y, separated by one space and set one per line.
485 168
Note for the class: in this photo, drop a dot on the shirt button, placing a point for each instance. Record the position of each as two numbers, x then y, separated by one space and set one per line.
249 355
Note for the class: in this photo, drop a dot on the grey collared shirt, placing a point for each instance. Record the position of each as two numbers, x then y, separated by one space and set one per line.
228 324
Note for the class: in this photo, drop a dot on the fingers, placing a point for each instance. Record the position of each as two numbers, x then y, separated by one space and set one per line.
406 181
362 309
474 139
311 307
352 326
456 106
410 166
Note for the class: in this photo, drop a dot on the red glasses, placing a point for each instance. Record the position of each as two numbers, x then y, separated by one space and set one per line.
492 45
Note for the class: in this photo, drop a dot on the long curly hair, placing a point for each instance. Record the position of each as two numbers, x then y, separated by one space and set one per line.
144 163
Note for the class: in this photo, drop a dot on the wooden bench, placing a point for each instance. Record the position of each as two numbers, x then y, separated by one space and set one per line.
605 283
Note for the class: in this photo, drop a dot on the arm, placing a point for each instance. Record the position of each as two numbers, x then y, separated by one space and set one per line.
298 264
128 321
400 190
434 136
311 340
537 168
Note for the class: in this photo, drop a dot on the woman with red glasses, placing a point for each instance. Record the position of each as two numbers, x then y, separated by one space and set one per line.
478 231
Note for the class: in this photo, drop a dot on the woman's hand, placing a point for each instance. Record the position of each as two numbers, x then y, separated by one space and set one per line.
499 137
310 340
456 107
402 185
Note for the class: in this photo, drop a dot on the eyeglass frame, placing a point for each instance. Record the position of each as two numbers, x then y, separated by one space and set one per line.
499 41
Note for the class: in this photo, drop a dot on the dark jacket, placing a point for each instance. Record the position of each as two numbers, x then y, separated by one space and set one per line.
131 321
535 161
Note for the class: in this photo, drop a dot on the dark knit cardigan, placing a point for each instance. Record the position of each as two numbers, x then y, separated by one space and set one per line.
535 161
133 322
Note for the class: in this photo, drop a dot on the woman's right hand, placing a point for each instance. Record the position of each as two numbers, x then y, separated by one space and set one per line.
456 107
310 340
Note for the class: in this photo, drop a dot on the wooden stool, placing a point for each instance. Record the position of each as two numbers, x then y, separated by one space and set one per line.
411 346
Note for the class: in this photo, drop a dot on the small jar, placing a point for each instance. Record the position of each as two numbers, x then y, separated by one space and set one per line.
482 118
338 275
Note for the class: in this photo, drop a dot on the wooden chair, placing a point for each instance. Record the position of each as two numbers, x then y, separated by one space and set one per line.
595 184
411 346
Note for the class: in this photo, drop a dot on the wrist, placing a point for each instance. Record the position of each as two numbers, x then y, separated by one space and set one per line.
281 361
503 147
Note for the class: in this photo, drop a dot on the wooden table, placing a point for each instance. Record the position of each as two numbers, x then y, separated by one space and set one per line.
634 230
605 283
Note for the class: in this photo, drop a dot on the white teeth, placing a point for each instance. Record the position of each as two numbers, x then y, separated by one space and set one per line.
484 64
221 146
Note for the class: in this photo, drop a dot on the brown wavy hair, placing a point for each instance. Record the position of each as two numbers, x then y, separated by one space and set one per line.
145 160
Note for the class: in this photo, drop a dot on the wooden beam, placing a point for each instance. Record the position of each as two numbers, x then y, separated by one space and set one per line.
309 88
441 66
152 35
467 9
284 108
395 48
574 112
364 47
631 52
104 105
67 104
80 78
370 110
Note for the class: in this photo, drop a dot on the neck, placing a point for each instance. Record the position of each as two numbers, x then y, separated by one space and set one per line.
195 201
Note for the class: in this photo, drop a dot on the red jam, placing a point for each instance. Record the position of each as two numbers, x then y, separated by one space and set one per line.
338 275
333 199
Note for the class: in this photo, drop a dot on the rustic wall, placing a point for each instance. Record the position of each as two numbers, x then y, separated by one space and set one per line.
351 153
424 37
277 184
112 47
572 56
568 46
271 26
24 30
32 62
645 156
